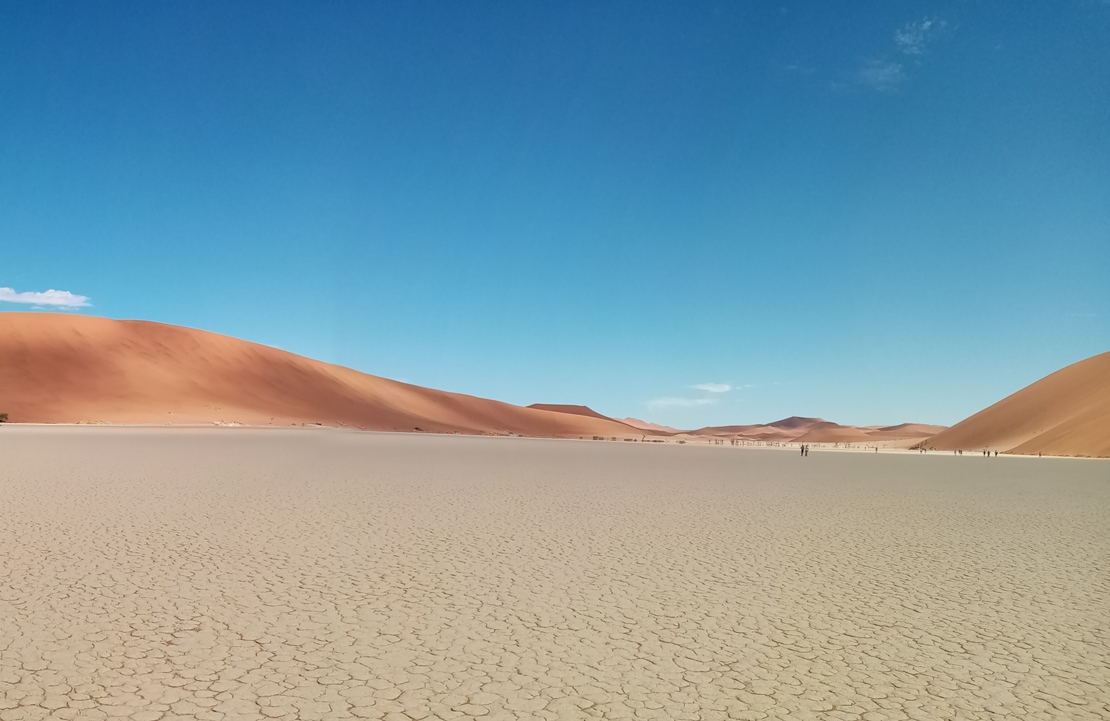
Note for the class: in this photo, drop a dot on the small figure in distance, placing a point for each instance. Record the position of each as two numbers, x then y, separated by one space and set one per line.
801 450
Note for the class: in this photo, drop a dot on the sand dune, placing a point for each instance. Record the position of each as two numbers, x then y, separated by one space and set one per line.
785 429
646 426
798 429
910 430
833 433
68 369
1064 414
572 409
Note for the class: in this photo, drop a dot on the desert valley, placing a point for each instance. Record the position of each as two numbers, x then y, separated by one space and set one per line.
86 370
200 527
554 361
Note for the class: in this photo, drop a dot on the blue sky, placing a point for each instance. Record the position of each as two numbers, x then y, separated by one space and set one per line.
872 212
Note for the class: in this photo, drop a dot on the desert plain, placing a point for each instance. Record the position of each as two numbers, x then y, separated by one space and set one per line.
225 573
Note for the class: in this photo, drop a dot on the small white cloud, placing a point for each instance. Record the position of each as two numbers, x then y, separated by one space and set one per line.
713 387
881 75
680 402
914 38
55 298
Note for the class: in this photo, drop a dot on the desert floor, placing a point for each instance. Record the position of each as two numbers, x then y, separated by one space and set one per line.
304 574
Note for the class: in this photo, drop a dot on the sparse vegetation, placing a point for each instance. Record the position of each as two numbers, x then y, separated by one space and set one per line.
3 417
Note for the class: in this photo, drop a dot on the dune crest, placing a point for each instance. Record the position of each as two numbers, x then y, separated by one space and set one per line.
58 368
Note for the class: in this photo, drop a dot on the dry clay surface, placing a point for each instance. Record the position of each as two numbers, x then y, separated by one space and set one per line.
296 574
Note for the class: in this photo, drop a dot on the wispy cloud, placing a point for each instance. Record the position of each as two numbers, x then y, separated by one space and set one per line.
881 75
680 402
55 298
912 42
713 387
914 38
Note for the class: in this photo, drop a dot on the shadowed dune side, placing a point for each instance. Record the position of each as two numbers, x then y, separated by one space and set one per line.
1066 413
69 369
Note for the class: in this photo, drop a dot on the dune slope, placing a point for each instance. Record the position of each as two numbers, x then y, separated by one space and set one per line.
648 426
1066 413
58 368
572 409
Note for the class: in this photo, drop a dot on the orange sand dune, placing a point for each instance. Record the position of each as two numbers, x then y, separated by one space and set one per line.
797 429
68 369
907 430
1064 414
833 433
826 432
785 430
646 426
572 409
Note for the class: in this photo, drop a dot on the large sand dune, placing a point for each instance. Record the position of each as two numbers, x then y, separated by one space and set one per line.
1063 414
69 369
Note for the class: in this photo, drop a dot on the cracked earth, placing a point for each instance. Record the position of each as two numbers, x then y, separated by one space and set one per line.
223 574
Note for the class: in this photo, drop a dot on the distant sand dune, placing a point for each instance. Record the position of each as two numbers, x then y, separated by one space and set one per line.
68 369
646 426
1064 414
797 429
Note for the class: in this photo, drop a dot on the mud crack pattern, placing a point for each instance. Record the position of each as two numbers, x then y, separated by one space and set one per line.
303 575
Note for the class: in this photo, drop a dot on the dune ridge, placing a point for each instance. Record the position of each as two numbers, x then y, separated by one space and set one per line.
57 368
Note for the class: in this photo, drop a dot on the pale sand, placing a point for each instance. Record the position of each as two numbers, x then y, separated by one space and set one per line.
234 573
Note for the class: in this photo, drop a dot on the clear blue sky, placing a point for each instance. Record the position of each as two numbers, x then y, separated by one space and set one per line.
873 212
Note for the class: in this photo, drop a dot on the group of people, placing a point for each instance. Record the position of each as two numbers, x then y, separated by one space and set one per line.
805 449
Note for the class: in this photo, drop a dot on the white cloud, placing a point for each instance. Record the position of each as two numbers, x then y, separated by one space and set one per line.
914 38
680 402
881 75
713 387
57 298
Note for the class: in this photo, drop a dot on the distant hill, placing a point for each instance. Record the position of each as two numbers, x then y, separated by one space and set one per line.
1066 413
